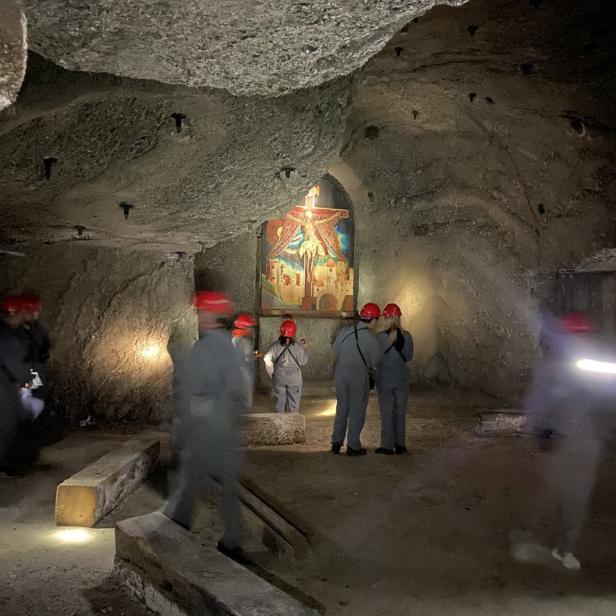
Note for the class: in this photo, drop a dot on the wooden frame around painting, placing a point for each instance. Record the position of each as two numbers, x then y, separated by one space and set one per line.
306 258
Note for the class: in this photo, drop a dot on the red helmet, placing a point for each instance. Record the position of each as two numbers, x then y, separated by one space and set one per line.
288 329
12 304
575 323
31 301
392 310
244 321
369 311
213 301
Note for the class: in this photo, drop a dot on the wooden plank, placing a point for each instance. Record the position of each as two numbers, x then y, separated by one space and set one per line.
271 520
90 494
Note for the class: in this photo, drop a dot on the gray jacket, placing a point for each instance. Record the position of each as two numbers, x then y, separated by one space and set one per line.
392 371
348 357
209 383
284 363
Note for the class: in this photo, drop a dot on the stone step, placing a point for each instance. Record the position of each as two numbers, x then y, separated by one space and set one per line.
167 568
90 494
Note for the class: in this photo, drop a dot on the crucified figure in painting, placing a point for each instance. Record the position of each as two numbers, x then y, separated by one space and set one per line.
314 245
318 228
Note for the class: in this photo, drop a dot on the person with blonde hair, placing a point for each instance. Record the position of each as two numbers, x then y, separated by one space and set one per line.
392 381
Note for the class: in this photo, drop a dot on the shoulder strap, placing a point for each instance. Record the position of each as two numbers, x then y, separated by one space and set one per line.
280 355
286 350
391 346
359 349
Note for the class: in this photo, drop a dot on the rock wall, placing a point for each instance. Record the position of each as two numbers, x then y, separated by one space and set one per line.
480 152
115 320
484 146
13 50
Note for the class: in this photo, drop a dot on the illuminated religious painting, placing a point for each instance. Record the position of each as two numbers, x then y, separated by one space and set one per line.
307 256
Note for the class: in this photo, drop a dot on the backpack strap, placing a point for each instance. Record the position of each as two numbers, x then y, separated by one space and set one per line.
286 350
359 349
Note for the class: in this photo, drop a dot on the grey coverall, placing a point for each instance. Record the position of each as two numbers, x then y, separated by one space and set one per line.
578 408
14 374
210 394
283 364
352 378
244 345
392 388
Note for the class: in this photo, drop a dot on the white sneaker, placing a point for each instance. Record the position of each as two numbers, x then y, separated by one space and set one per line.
568 560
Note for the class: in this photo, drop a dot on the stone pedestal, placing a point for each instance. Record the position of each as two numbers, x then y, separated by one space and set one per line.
272 429
502 422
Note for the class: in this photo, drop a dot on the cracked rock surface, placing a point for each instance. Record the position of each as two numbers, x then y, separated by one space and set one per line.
13 50
247 47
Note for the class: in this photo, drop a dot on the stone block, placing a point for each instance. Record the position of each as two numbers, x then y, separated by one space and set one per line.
90 494
272 429
173 574
502 423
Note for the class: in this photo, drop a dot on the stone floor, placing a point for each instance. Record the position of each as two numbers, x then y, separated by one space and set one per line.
422 534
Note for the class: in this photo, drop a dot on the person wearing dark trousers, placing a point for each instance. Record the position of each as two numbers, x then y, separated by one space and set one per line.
15 374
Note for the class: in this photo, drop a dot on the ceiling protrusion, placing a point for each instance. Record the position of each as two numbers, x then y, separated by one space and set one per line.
126 208
48 163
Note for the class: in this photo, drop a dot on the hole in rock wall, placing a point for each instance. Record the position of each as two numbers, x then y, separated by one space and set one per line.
126 208
527 68
472 29
180 119
48 164
399 51
578 126
372 132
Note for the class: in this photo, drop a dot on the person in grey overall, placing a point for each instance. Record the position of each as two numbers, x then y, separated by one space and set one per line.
392 381
571 410
357 353
283 362
210 394
243 337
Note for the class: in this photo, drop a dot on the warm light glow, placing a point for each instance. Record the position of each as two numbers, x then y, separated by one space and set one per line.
330 411
73 535
150 351
592 365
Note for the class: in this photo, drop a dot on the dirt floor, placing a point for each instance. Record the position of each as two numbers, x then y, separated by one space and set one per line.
423 534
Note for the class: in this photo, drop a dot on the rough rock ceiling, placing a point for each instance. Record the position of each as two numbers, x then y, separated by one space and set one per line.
12 50
247 47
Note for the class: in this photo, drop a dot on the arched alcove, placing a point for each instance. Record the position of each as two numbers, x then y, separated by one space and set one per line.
306 258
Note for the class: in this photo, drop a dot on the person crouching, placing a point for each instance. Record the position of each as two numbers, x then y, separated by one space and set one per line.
283 362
